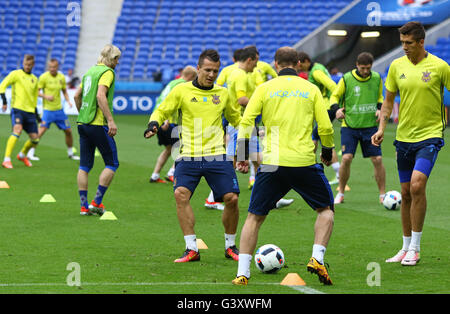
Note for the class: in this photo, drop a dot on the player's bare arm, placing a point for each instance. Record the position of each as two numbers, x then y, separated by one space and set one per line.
66 96
78 97
102 101
385 114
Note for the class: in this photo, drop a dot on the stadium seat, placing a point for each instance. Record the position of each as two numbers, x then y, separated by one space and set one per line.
176 31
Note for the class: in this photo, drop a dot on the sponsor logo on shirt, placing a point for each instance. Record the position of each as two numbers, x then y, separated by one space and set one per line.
403 76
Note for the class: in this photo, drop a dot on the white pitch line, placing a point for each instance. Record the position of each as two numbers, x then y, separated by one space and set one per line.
306 290
302 289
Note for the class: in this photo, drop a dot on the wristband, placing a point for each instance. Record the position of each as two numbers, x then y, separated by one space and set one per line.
150 127
327 153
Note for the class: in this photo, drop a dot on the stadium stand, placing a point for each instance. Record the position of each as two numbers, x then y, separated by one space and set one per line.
166 35
440 49
37 27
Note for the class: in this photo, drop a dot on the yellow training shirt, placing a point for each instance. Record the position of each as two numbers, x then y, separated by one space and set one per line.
328 85
240 84
223 76
289 106
52 86
200 116
24 90
265 70
421 87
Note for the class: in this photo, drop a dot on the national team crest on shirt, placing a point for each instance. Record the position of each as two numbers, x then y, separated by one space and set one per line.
426 77
215 99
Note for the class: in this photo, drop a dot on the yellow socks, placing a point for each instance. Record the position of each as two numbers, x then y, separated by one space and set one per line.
12 140
28 145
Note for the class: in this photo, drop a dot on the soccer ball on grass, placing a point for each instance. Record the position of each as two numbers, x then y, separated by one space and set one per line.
269 258
392 200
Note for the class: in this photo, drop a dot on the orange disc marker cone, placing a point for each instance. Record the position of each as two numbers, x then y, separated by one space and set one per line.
293 279
201 245
4 185
347 188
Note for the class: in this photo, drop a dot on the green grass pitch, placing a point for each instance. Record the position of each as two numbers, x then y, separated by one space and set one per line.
135 253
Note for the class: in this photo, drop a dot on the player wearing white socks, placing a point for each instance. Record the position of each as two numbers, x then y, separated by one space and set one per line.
419 77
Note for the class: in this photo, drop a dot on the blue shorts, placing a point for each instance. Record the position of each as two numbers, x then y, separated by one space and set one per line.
274 182
351 137
315 134
225 123
231 147
26 119
166 138
419 156
58 117
96 136
219 174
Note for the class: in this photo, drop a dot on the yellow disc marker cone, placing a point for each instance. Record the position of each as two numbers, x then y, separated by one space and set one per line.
47 198
293 279
108 216
201 245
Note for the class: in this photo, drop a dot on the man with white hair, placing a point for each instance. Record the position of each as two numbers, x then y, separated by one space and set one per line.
96 127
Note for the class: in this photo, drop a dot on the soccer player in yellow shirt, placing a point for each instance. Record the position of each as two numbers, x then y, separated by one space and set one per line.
52 83
420 78
24 95
319 76
223 75
202 153
264 70
289 105
241 85
221 80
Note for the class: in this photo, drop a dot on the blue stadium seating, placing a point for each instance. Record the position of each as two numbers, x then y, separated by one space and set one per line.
36 27
441 48
174 32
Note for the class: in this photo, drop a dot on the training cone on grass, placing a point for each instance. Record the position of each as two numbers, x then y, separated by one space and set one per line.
293 279
201 245
4 185
108 216
47 198
347 188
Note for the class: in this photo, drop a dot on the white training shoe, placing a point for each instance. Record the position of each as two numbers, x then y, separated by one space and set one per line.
214 205
73 157
339 199
334 181
284 202
32 157
411 258
397 258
